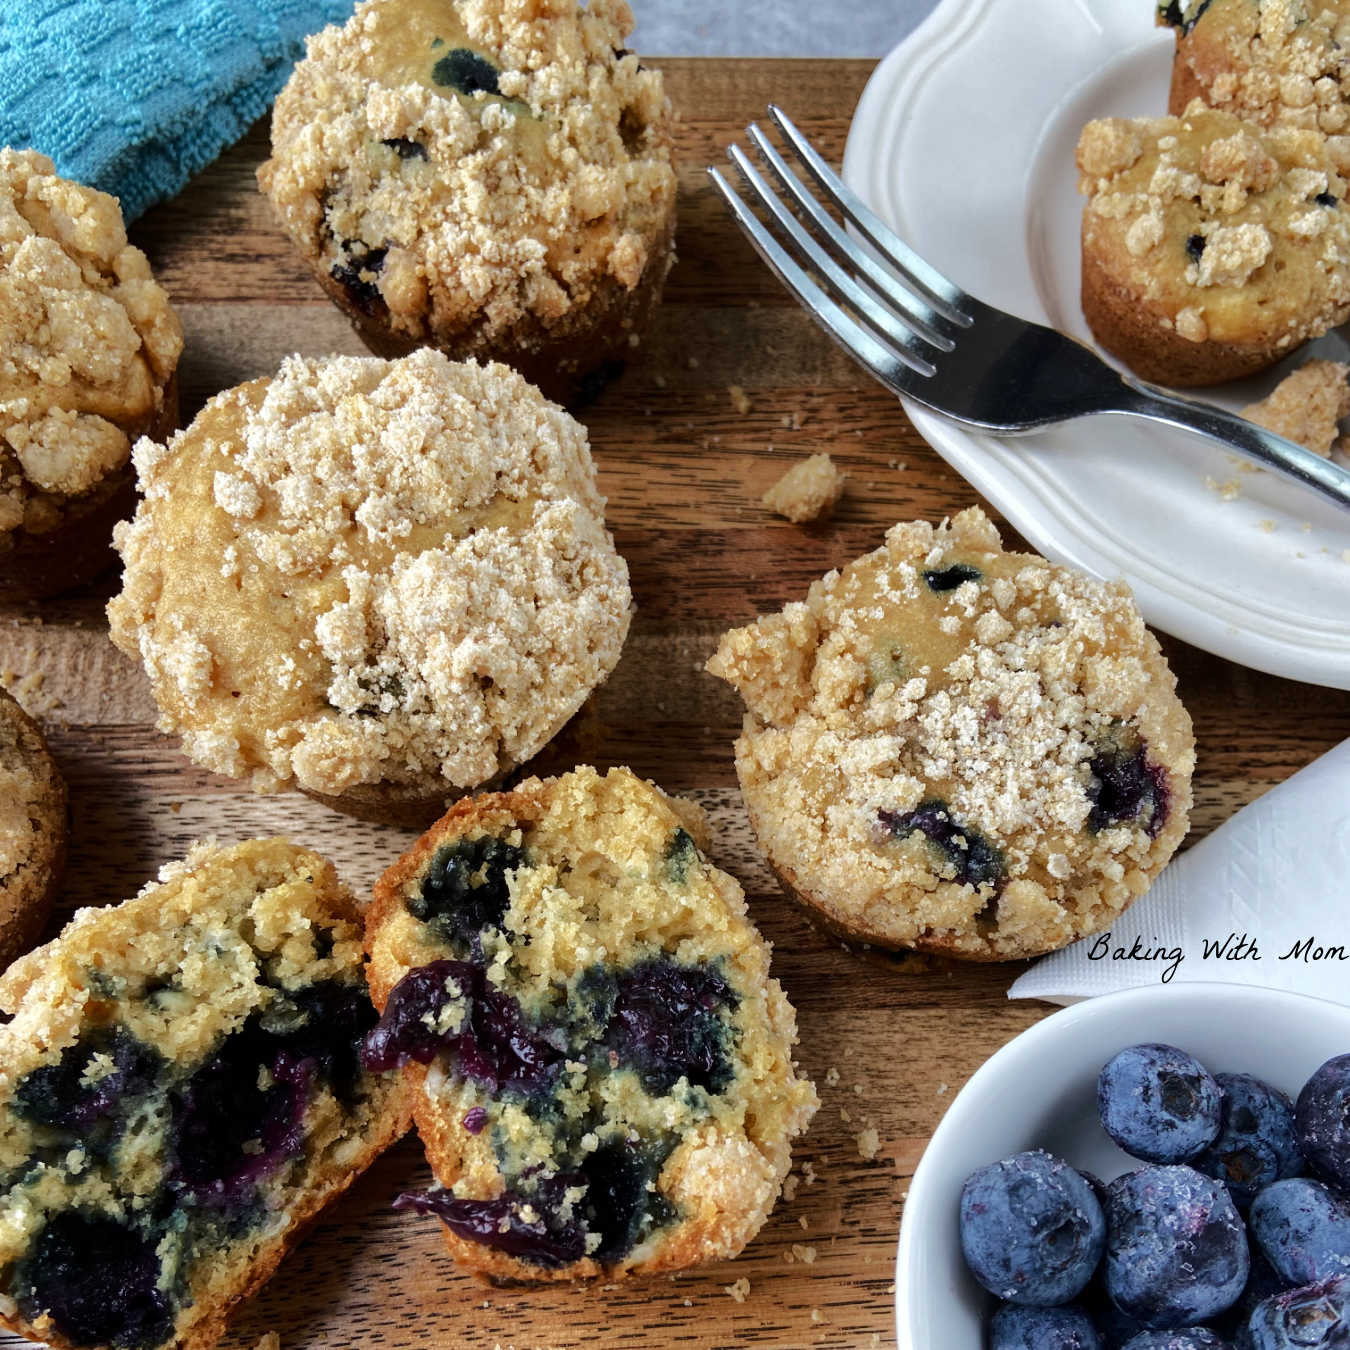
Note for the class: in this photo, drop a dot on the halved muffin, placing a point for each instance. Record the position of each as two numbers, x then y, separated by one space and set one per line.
181 1090
600 1061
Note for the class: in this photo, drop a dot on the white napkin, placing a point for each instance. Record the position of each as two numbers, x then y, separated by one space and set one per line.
1264 900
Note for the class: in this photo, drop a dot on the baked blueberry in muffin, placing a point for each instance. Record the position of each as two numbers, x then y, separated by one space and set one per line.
600 1061
959 749
181 1090
491 177
384 582
89 348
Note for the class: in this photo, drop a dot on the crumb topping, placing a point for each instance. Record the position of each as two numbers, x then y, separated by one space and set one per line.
1226 231
462 164
809 490
1307 406
1274 62
364 571
941 675
88 341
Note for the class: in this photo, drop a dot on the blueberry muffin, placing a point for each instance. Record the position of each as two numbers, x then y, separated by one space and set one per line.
181 1090
1270 61
599 1058
385 582
32 830
957 749
492 177
1211 247
88 349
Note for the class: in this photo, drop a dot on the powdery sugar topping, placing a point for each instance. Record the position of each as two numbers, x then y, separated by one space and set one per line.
365 571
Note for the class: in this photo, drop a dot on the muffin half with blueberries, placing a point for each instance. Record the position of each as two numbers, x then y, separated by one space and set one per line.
491 177
957 749
89 348
181 1091
599 1058
384 582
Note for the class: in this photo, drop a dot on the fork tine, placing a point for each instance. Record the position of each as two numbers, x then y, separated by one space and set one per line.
861 302
890 367
928 321
948 296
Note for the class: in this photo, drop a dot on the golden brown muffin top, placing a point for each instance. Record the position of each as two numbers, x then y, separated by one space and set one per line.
925 730
475 158
1237 231
365 571
88 340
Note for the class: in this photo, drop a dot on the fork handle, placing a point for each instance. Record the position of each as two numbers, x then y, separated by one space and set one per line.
1146 400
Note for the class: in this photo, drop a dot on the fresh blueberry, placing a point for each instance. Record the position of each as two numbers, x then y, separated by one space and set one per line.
1176 1250
1159 1103
1316 1317
1126 789
466 889
973 859
1196 1338
98 1280
359 257
466 72
1257 1144
1031 1229
1322 1117
1262 1283
1116 1328
1019 1328
1303 1228
665 1020
949 578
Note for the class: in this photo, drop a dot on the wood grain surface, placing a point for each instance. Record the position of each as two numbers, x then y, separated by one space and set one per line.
888 1042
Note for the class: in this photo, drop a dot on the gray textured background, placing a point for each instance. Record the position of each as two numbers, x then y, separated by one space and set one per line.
774 27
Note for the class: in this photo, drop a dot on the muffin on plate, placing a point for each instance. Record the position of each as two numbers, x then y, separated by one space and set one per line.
32 830
89 346
1211 247
385 582
1270 61
492 177
958 749
599 1058
181 1091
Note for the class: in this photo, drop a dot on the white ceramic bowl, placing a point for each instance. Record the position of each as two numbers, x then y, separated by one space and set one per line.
1039 1091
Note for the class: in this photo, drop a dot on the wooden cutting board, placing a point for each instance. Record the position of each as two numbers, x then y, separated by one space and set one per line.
888 1042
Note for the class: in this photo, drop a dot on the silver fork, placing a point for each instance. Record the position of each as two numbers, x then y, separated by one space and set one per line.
921 335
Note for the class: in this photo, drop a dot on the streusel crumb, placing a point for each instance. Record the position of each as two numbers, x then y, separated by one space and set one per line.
1307 406
363 571
809 490
88 342
960 749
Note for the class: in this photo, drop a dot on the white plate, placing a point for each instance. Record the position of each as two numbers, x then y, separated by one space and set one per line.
1039 1091
963 142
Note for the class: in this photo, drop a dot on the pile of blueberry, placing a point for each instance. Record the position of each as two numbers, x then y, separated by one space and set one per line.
1163 1258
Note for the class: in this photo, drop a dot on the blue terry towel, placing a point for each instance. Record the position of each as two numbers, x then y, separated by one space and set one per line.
135 96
